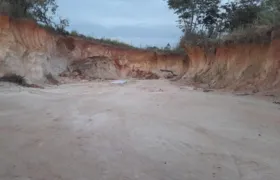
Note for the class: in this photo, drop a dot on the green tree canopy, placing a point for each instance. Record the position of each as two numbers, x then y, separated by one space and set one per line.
42 11
211 17
196 14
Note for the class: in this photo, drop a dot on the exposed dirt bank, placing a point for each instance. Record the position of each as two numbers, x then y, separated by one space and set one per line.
237 66
36 54
30 51
142 130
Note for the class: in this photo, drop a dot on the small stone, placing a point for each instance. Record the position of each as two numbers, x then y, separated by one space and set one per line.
214 175
276 102
207 90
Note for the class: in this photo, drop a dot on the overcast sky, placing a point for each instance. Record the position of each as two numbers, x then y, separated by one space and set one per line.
137 22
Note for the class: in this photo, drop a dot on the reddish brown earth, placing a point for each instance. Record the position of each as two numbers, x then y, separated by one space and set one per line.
30 51
144 129
247 66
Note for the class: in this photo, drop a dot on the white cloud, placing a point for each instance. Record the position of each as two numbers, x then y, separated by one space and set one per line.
131 20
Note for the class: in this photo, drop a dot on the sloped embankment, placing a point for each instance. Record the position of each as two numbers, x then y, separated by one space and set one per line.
237 66
30 51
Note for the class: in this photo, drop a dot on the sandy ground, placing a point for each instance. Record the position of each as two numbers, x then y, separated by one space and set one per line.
146 130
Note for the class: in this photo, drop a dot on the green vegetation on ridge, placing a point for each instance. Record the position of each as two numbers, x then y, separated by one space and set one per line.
200 20
44 12
212 19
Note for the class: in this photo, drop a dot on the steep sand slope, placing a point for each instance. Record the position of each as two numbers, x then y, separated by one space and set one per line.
30 51
146 130
254 66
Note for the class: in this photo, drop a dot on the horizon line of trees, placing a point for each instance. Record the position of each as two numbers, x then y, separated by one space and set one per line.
213 19
203 18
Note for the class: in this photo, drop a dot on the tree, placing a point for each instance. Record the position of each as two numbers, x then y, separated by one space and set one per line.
270 12
42 11
196 15
210 18
240 13
61 26
167 47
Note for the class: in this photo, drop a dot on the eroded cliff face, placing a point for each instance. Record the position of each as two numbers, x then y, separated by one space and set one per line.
30 51
246 66
128 62
24 49
36 54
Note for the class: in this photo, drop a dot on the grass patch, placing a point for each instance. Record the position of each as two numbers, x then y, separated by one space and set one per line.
249 34
103 40
114 42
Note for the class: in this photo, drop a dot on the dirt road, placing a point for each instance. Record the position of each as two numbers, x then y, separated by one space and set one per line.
146 130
